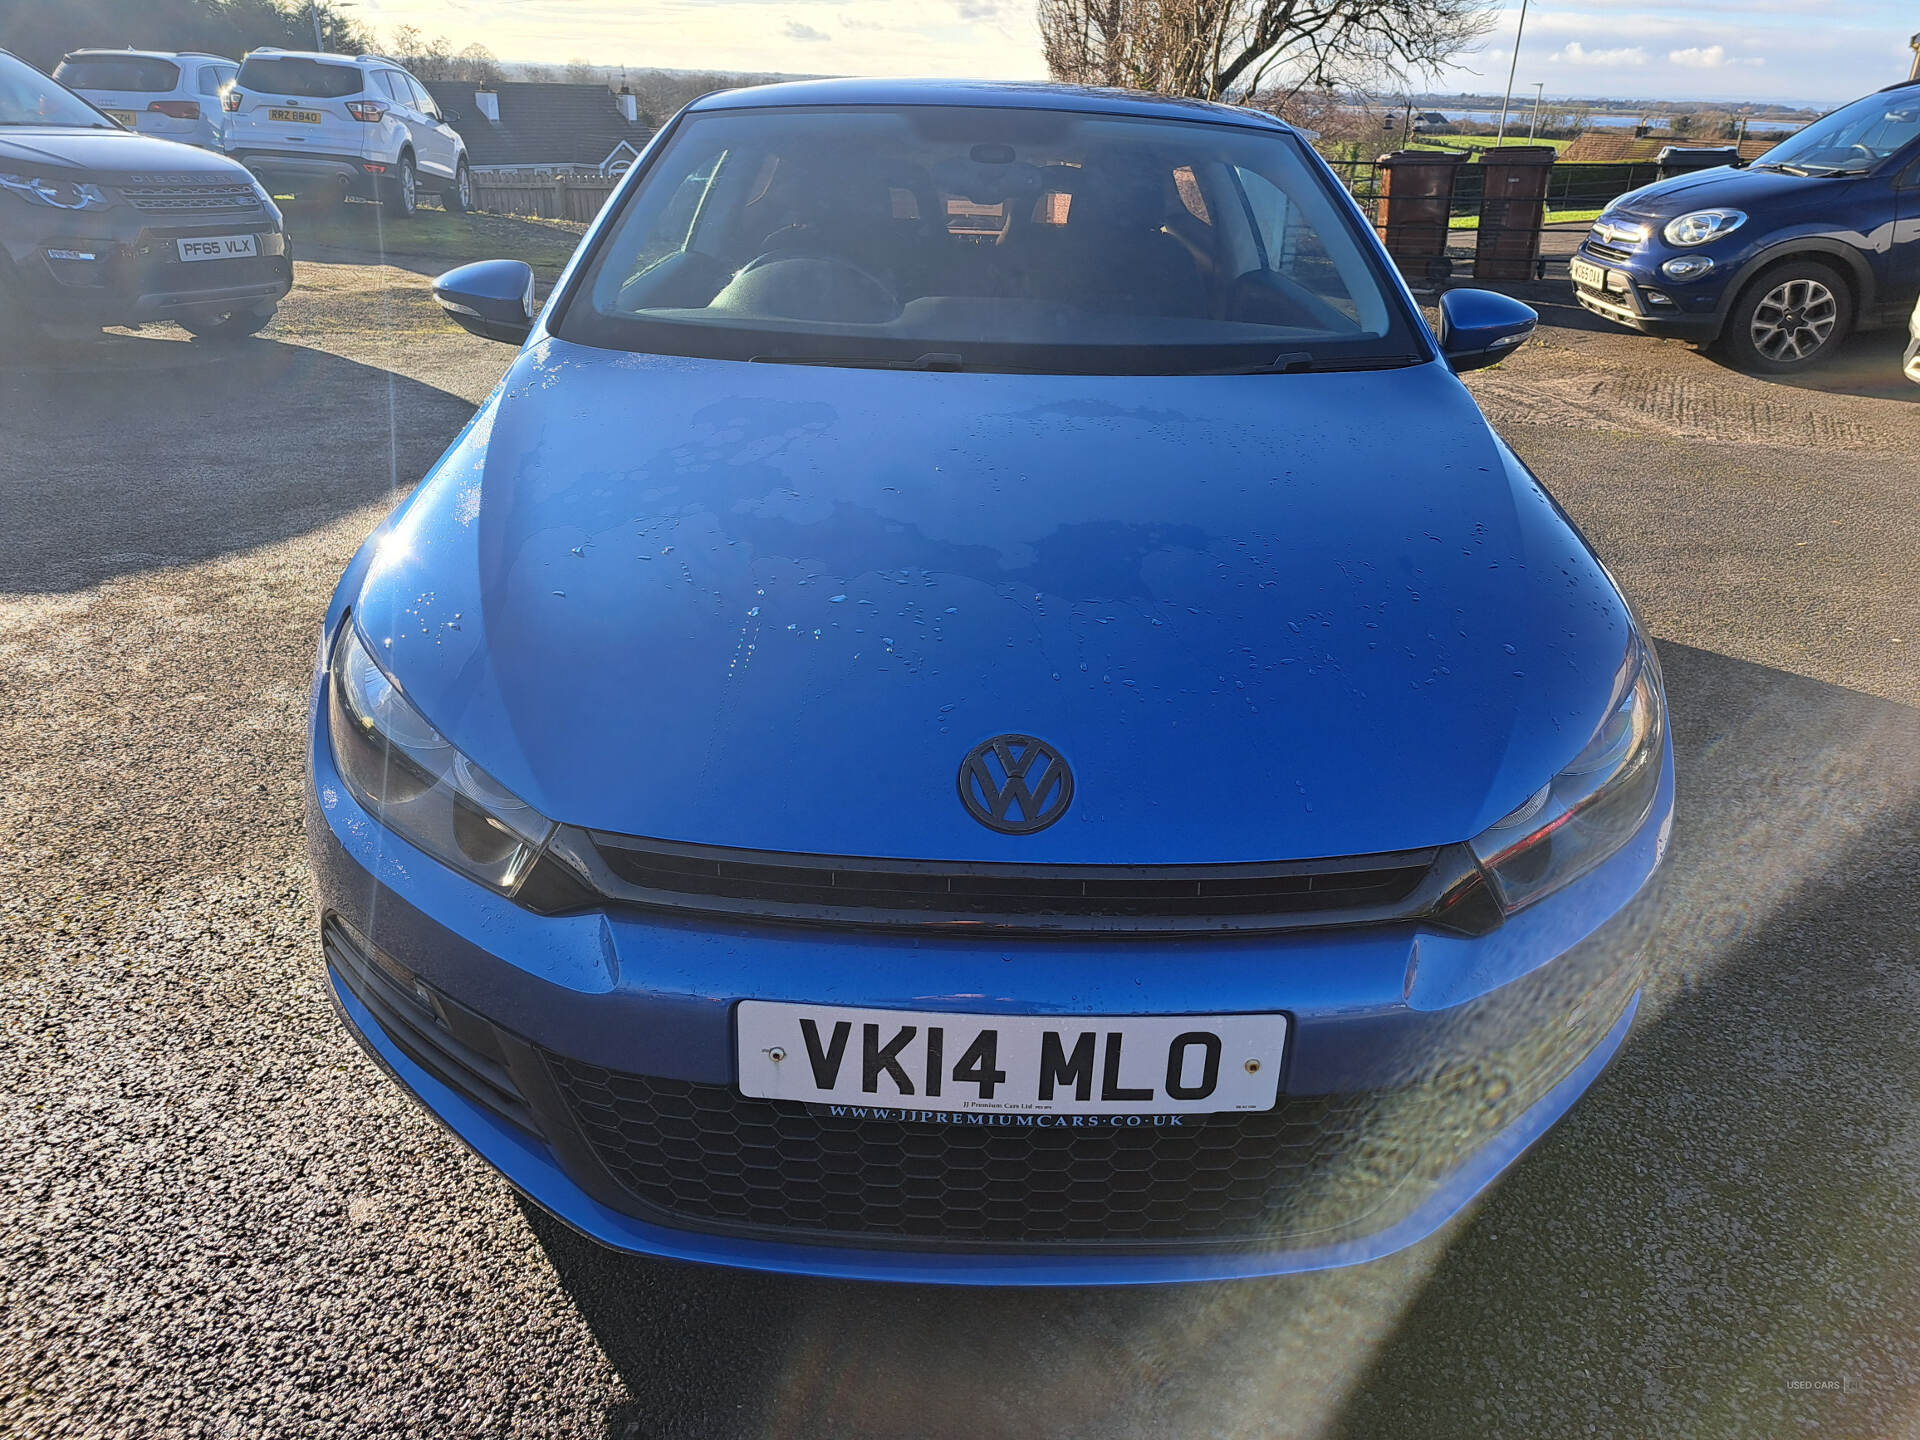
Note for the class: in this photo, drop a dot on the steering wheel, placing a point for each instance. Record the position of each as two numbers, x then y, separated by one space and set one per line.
824 257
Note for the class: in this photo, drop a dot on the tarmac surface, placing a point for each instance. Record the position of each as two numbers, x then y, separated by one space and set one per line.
216 1218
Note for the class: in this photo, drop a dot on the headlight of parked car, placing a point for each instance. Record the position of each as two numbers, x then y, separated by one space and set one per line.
1591 808
415 783
1703 225
55 194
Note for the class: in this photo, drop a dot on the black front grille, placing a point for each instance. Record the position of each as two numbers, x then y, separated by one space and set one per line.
1608 252
713 1158
1139 899
211 197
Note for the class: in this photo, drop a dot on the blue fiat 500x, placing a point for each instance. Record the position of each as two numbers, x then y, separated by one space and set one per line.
1776 261
981 705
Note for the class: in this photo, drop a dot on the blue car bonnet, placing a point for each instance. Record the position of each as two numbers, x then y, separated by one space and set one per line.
1722 186
773 606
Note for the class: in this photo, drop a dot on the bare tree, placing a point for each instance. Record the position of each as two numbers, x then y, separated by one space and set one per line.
476 64
428 59
1234 49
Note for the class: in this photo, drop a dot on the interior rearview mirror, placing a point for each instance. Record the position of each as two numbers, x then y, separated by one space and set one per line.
1482 327
491 298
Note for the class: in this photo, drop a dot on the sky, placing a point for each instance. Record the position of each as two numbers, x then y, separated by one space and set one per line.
1788 50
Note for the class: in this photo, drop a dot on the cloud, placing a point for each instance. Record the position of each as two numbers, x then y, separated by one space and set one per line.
796 31
978 9
1711 57
1577 54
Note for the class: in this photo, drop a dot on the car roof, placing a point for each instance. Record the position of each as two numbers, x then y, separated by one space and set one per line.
985 93
324 55
95 54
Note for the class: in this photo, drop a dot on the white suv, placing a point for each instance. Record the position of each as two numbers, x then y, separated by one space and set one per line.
337 124
169 95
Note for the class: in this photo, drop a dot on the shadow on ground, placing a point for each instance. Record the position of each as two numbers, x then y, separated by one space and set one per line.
1867 363
237 445
1716 1242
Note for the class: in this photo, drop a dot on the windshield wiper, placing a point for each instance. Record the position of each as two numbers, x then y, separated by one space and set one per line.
1778 165
933 360
1300 362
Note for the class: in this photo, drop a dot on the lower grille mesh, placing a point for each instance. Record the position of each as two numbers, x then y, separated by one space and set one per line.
711 1156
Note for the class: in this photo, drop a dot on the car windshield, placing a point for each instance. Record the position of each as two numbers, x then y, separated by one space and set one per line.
1853 139
140 73
29 98
291 75
988 239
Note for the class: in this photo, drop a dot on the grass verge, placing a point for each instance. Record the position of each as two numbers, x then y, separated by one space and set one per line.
435 234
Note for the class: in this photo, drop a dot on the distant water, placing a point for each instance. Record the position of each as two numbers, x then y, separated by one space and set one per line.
1520 114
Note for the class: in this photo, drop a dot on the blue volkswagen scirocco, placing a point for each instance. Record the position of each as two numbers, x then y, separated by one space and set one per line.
980 704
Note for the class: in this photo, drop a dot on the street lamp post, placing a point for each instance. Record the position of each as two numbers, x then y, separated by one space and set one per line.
313 10
1507 103
1533 125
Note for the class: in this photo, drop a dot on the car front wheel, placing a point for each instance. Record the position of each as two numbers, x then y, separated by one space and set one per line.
234 325
401 192
1791 318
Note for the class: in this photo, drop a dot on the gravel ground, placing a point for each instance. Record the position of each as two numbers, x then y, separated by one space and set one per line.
217 1219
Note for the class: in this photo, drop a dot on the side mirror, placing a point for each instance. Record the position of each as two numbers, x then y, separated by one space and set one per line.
452 117
1482 327
492 298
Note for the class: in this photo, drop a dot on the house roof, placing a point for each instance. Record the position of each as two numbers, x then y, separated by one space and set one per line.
540 123
1597 145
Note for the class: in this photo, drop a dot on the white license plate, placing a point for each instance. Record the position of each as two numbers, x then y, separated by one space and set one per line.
1591 276
218 247
947 1063
296 117
124 117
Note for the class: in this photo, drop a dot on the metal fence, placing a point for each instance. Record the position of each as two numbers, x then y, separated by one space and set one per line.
1575 189
550 197
1578 188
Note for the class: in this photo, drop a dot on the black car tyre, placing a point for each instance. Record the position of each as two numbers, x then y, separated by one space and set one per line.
234 325
400 191
458 197
1789 318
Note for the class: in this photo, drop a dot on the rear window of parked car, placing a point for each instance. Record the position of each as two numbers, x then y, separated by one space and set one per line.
120 72
281 75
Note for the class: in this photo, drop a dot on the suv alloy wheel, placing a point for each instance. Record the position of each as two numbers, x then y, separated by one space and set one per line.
1789 318
401 192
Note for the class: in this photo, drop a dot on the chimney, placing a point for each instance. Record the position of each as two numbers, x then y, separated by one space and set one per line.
1914 45
629 106
488 104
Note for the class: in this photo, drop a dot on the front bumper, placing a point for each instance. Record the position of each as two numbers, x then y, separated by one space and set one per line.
1631 291
121 266
590 1059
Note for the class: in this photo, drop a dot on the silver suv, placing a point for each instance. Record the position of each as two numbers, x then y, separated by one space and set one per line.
166 94
317 124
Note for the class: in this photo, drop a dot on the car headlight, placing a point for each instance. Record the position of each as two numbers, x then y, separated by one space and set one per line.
1703 225
53 193
1592 807
412 780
